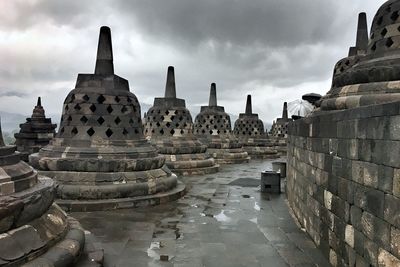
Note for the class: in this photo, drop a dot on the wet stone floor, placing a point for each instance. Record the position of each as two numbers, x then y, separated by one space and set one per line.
223 220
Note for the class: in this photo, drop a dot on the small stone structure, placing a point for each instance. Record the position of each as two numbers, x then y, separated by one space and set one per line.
249 129
169 125
213 127
270 182
343 159
34 230
99 157
279 131
35 133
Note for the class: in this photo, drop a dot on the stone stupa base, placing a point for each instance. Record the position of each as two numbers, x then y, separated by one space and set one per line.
191 164
260 152
229 155
90 191
36 231
84 205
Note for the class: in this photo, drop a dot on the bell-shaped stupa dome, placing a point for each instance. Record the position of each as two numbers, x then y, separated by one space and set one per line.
213 127
99 157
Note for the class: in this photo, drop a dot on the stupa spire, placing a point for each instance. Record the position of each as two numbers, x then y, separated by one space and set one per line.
170 89
104 60
213 96
362 32
248 105
1 136
285 112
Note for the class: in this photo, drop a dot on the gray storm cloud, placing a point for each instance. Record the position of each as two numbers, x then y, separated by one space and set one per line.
274 49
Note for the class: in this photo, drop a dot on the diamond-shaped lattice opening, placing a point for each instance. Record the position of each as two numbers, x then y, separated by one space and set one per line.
162 118
69 118
158 124
90 132
101 99
166 112
182 131
110 109
136 131
203 131
172 131
77 107
86 98
101 120
72 98
74 131
218 132
129 100
125 132
395 15
117 121
373 48
124 109
384 32
347 62
92 108
131 122
389 42
176 125
117 99
109 132
389 8
62 130
66 108
161 131
210 131
84 119
168 124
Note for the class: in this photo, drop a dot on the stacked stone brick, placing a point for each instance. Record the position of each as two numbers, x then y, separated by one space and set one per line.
34 230
169 125
100 158
249 129
343 160
35 133
213 127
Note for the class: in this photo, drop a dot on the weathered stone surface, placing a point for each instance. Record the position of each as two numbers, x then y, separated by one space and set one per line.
169 126
35 133
249 129
213 127
100 151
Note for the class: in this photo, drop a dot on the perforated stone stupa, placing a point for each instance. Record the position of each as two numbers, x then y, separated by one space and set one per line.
35 133
213 127
169 125
279 131
34 230
249 129
371 72
99 157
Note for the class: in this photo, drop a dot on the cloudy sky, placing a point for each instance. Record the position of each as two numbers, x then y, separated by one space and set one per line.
276 50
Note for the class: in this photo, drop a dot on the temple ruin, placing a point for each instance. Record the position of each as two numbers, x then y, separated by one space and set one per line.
249 129
99 157
169 126
35 133
213 127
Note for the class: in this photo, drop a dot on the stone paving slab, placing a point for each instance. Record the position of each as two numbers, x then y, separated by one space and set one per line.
214 224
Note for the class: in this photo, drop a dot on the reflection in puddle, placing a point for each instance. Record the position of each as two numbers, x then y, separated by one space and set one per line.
221 217
256 206
254 220
151 250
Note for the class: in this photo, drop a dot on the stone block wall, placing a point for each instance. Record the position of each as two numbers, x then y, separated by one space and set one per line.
344 183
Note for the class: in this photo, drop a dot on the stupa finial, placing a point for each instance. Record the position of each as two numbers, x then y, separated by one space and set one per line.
248 105
170 89
362 32
213 96
39 102
104 60
285 112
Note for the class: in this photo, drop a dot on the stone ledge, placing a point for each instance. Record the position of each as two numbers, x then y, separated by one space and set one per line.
123 203
195 171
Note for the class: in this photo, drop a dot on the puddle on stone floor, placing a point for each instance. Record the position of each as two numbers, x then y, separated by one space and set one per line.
151 250
254 220
256 206
221 217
